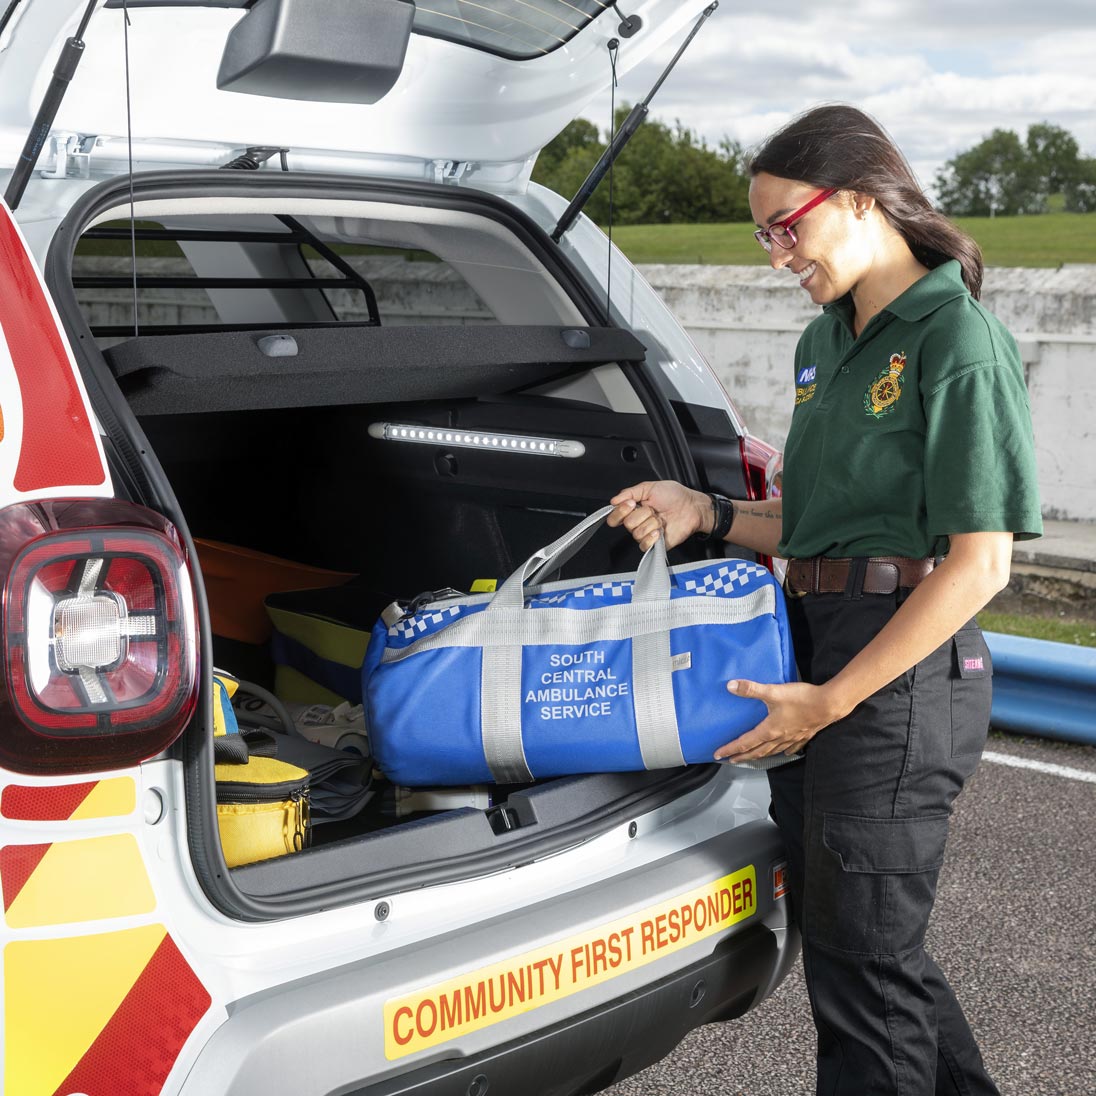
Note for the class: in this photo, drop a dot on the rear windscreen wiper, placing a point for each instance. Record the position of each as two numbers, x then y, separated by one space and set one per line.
623 136
63 72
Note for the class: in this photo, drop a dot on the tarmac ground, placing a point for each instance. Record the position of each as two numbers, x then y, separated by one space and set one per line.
1014 929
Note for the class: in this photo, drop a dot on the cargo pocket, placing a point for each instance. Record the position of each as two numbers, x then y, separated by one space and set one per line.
876 882
971 693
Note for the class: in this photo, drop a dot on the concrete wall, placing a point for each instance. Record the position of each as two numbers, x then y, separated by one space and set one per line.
746 321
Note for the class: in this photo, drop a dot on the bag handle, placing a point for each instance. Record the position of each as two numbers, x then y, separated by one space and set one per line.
652 582
237 748
500 674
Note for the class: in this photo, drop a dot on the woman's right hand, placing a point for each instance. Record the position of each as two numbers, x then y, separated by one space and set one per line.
651 508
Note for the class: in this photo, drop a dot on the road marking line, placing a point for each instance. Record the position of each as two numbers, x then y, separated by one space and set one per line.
1040 767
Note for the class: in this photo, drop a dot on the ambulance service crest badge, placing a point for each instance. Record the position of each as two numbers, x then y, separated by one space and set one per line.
883 393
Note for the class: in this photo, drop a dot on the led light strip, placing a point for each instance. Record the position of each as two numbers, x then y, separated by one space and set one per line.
476 439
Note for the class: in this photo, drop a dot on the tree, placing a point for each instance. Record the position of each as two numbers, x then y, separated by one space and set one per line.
996 176
1054 154
1080 191
1001 174
579 138
665 174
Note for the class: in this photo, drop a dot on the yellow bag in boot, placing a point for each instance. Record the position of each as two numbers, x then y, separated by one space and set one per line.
262 802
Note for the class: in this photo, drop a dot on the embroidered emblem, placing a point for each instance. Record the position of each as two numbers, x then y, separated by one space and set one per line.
973 664
807 376
882 395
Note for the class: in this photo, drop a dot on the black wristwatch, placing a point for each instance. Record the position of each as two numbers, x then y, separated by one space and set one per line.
723 509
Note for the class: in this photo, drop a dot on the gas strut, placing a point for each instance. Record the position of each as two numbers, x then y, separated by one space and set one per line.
623 135
63 72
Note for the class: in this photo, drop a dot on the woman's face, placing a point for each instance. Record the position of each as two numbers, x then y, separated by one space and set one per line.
834 247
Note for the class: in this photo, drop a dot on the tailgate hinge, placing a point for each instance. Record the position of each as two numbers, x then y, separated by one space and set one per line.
451 171
71 154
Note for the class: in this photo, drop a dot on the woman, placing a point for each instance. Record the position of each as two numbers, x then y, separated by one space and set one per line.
908 471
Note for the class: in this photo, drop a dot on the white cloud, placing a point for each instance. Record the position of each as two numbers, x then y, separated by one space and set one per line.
1067 51
938 75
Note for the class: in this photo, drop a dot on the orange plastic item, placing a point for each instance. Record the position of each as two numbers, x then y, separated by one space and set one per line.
238 579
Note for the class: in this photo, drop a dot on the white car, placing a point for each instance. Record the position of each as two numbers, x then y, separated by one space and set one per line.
376 256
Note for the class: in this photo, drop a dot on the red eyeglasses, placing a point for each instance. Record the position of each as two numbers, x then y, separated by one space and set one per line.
782 231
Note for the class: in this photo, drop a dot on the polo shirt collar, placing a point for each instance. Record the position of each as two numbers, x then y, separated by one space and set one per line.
940 285
927 294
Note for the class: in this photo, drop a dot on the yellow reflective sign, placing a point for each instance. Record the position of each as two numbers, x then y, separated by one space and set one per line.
491 994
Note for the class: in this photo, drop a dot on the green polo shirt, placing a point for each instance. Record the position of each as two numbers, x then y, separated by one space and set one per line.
917 429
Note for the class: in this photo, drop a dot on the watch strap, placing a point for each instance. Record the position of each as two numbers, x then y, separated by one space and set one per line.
723 510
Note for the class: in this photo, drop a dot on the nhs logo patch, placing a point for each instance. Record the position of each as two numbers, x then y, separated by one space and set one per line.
807 376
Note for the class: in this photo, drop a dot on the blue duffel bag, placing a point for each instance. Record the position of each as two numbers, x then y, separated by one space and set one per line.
609 674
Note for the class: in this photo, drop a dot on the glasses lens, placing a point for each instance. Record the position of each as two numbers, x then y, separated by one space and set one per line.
763 238
785 237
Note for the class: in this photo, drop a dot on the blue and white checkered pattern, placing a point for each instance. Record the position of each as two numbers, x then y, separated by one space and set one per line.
725 580
413 627
599 590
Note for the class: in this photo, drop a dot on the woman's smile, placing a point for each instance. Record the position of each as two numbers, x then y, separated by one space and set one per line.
805 274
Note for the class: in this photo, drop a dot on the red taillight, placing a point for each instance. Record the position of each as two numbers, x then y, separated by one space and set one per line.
762 465
756 459
100 641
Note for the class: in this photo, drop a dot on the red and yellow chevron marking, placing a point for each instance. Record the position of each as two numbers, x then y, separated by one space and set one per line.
74 881
60 803
105 1015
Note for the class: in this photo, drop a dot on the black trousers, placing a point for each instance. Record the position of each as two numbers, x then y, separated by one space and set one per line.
865 818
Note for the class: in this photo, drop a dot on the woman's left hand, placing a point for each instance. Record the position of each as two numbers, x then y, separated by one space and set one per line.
797 712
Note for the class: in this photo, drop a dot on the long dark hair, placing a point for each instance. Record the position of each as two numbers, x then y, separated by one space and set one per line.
838 146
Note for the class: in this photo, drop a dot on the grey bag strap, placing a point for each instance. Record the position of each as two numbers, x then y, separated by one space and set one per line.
572 543
652 579
500 681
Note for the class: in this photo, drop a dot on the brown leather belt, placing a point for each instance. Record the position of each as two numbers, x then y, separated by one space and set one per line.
881 575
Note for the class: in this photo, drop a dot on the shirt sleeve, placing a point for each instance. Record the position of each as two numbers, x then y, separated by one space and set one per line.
980 453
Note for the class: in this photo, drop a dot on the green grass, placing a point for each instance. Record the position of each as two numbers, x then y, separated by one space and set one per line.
1077 632
712 244
1048 239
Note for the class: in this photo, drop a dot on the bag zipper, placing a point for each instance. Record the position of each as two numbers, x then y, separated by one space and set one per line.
302 829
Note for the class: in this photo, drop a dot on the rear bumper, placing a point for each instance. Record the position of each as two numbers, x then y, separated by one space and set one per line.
348 1029
595 1049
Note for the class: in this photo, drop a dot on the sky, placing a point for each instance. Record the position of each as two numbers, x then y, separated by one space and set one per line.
938 74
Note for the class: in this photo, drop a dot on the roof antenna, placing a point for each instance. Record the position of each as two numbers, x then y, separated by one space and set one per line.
629 24
129 146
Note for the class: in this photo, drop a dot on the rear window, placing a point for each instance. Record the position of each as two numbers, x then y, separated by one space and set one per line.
411 287
513 28
201 279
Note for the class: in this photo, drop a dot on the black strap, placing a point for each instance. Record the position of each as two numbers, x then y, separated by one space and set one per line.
723 518
854 584
235 749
